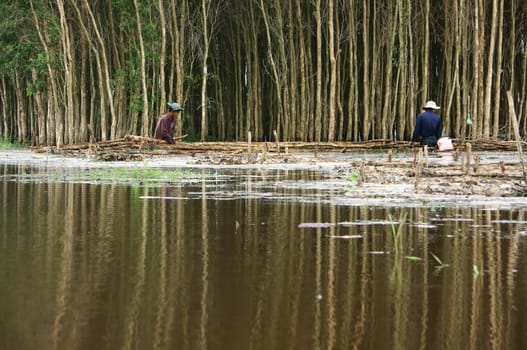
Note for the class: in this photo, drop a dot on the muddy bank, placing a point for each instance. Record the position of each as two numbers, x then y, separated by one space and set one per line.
403 174
379 175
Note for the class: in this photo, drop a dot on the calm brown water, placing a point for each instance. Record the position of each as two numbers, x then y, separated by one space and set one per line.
251 263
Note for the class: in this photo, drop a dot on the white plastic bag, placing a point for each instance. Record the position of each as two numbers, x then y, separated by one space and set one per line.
445 144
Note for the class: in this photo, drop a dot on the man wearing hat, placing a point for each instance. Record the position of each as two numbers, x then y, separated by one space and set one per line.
167 123
428 126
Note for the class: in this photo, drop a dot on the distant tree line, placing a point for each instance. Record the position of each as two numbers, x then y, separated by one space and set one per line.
318 70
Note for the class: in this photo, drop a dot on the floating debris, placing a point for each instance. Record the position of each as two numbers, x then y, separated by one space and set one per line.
315 225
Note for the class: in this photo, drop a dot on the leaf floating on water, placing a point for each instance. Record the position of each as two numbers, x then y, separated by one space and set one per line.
453 219
315 225
346 237
424 225
508 222
437 259
413 258
367 223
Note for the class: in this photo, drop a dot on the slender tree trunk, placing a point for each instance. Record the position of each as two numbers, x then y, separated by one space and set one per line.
68 76
40 111
481 66
455 95
205 12
274 68
83 126
426 55
499 72
179 14
523 90
220 113
303 104
467 110
511 66
254 81
353 120
242 118
53 109
145 115
318 86
284 75
105 75
374 110
411 95
101 76
3 104
21 113
490 70
390 22
162 58
477 119
366 72
333 72
294 62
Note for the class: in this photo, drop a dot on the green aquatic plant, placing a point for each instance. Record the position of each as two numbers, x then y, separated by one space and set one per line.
397 228
143 175
440 264
475 271
436 258
353 178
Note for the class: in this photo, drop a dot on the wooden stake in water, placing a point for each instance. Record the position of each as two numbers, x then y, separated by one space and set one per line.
277 141
468 156
418 164
362 176
477 160
249 140
514 120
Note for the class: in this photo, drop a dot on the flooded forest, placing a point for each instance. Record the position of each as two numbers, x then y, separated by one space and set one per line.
321 70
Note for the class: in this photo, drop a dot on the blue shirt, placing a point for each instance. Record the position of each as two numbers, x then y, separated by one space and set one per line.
427 124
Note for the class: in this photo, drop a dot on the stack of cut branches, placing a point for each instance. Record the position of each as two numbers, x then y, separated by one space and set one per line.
132 147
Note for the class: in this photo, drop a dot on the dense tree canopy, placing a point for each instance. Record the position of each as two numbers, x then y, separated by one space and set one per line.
354 70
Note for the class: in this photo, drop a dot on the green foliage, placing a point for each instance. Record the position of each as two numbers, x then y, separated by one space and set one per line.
18 40
244 78
135 105
6 145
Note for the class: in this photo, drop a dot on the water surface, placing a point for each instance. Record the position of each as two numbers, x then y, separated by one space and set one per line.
252 259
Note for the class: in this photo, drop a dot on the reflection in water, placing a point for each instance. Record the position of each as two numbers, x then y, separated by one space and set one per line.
107 267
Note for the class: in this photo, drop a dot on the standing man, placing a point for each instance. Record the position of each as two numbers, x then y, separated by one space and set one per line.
428 126
167 123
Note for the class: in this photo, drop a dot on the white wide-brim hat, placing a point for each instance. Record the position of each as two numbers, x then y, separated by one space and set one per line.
431 105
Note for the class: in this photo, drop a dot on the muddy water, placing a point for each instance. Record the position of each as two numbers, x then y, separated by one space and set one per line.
250 259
